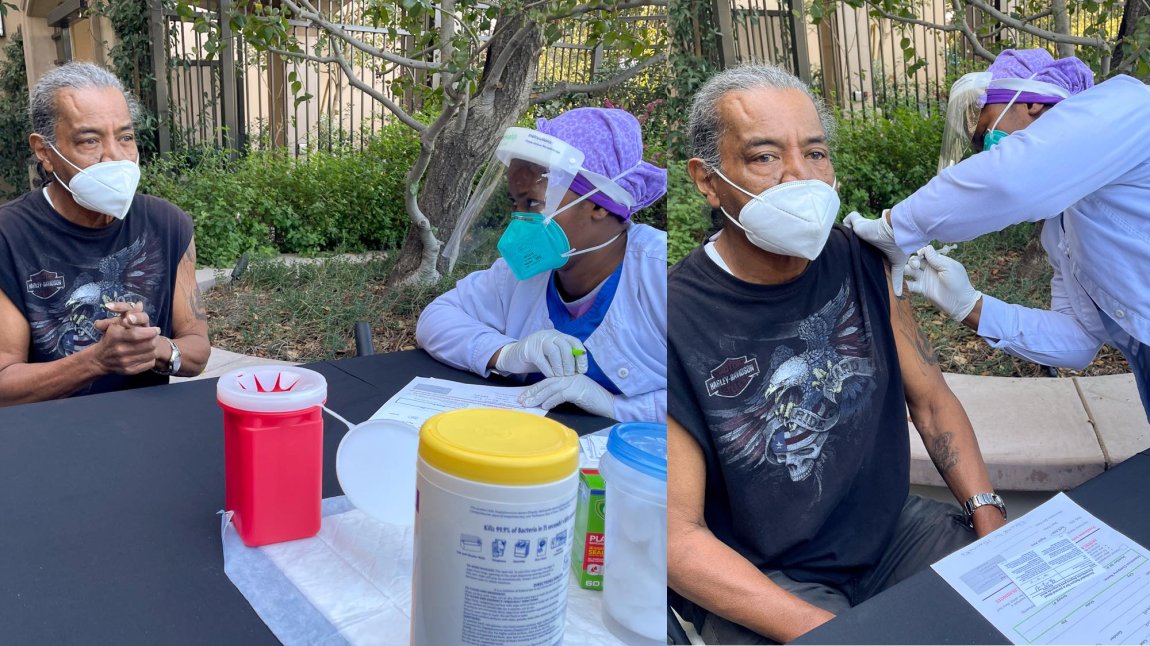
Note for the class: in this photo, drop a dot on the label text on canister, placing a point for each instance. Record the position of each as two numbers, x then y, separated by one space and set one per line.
504 566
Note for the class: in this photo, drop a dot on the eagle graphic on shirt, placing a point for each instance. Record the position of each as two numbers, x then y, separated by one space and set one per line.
808 394
67 323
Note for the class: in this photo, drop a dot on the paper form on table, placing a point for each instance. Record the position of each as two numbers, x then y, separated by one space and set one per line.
424 397
1058 575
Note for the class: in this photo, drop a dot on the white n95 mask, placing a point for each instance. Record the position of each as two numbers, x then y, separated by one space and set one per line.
791 219
107 187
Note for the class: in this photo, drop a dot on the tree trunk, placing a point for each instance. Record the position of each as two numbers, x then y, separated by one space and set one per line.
471 135
1062 26
1134 13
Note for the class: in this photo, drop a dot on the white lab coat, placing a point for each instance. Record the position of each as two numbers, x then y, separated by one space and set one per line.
1088 160
490 308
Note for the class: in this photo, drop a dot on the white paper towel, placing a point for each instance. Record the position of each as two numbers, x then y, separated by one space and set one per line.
351 584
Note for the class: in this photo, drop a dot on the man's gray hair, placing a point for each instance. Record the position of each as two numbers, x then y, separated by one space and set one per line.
705 127
42 109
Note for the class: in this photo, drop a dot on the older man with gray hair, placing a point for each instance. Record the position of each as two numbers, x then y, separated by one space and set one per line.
97 284
790 369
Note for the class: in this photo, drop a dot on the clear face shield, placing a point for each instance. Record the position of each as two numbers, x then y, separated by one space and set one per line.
968 97
530 172
962 110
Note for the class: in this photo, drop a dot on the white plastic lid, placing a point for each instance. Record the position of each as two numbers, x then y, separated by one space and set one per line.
271 389
375 465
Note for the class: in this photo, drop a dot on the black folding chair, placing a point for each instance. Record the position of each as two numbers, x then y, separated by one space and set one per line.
363 343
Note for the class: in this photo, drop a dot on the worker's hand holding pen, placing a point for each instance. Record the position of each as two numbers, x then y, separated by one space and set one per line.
547 351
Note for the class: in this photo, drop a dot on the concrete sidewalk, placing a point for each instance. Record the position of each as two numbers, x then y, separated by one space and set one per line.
1045 434
222 361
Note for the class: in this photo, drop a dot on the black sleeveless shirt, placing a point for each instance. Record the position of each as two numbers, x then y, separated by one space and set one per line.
795 395
59 274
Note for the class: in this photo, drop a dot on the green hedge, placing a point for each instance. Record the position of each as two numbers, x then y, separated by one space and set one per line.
267 201
14 128
879 162
688 216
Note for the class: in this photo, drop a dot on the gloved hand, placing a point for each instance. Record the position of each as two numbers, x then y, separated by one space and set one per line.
546 351
880 234
580 390
943 281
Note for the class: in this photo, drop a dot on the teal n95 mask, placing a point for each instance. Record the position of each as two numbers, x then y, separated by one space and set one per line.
534 243
790 219
107 187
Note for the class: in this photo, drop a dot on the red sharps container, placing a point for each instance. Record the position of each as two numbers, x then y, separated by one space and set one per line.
273 451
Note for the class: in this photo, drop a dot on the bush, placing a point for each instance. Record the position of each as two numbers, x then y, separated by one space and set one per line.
343 200
688 216
879 162
14 152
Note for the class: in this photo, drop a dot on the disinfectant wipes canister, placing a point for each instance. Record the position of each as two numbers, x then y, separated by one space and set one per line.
495 508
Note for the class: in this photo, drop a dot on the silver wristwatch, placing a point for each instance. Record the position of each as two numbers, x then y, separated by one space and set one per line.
980 499
173 362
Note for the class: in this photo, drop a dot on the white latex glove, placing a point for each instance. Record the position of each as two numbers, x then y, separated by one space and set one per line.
580 390
943 281
546 351
879 233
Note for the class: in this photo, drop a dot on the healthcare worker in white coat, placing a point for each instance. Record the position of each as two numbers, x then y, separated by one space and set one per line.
577 304
1059 149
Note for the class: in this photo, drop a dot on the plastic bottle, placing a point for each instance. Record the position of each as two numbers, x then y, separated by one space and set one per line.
635 534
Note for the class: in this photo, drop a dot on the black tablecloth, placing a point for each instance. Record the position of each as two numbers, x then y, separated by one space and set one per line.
924 609
109 532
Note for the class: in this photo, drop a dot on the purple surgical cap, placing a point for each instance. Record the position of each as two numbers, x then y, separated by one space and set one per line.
612 143
1068 73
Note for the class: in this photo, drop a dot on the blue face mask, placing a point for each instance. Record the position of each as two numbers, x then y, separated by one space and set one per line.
993 136
533 243
991 139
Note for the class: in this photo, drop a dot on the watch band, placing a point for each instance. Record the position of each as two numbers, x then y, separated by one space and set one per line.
173 361
980 500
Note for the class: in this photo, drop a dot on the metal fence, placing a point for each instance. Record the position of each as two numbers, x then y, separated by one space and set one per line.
571 60
864 63
240 97
243 98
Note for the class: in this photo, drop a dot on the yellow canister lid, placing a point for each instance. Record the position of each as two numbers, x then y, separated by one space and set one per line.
497 446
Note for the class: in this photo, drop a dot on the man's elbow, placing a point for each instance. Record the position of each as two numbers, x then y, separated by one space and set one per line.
682 550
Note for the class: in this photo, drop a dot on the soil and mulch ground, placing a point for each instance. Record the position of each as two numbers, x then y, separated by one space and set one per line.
307 313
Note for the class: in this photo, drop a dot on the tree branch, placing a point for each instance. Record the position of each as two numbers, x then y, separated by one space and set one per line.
312 15
608 6
602 86
514 43
968 33
1037 16
1035 31
356 82
915 21
429 257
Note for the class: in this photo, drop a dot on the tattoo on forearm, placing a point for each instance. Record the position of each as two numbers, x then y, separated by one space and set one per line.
922 346
943 453
914 334
196 304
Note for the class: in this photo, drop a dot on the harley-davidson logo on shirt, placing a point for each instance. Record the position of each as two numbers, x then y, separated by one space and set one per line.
731 378
45 284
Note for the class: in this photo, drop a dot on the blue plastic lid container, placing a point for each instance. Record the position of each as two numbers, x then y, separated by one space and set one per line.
641 446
